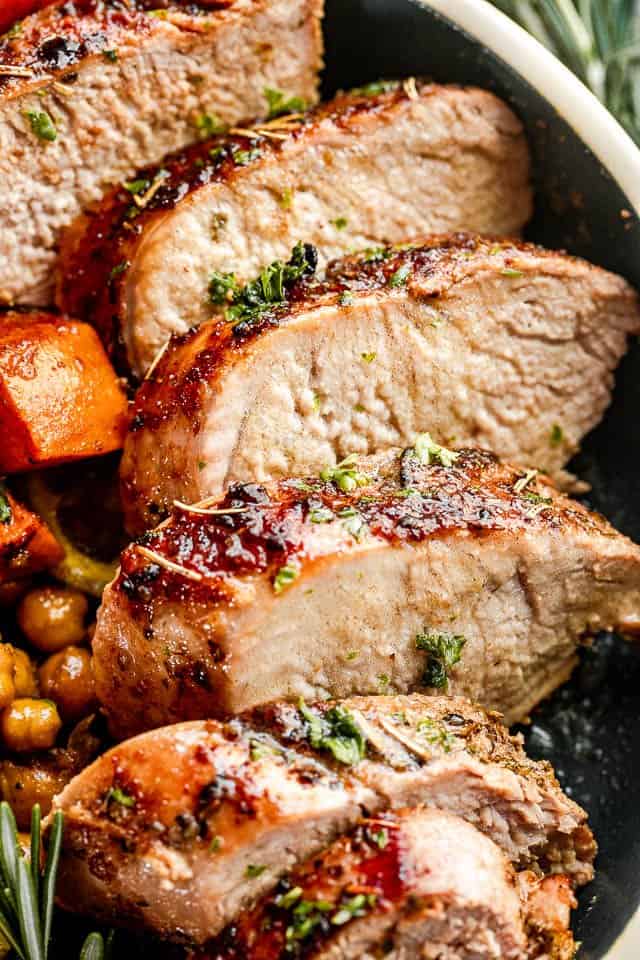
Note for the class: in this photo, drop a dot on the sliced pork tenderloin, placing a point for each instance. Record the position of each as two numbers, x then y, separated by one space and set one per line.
178 830
495 344
363 169
91 91
395 573
416 884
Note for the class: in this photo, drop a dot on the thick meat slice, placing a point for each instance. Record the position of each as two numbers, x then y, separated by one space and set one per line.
361 170
406 886
501 345
91 91
179 829
381 577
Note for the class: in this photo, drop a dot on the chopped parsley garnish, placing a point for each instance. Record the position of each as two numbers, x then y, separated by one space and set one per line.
557 435
279 104
208 124
427 451
345 474
351 907
368 357
111 55
321 515
254 870
340 223
537 498
14 31
345 299
354 524
216 844
435 733
352 655
335 731
259 750
136 187
444 651
284 578
41 124
380 837
510 272
286 198
306 915
242 157
376 254
287 900
400 277
202 464
117 795
383 681
373 89
248 303
5 506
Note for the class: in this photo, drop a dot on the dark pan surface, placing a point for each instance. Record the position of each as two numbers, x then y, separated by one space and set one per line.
590 729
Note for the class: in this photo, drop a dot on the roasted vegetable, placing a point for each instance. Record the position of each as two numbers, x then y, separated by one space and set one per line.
26 544
60 399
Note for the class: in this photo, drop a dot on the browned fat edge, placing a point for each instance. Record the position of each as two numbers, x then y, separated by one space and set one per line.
403 270
99 249
263 528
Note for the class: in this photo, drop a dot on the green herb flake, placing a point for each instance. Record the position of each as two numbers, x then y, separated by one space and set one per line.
279 104
209 125
346 299
286 900
355 525
510 272
110 55
335 731
119 268
42 125
242 157
383 681
352 655
345 475
117 795
284 578
216 844
427 451
340 223
259 750
380 838
136 187
269 289
400 277
444 651
254 870
436 734
321 515
5 506
351 907
557 435
14 31
286 198
368 357
223 287
375 88
202 464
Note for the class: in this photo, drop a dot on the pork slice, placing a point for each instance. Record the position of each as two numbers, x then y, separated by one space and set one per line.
413 885
495 344
91 91
389 575
178 830
363 169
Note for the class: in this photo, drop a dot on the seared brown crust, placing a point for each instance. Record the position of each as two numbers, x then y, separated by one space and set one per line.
51 42
261 529
98 250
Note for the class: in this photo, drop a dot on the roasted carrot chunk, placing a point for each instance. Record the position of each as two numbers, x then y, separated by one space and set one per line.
60 399
26 543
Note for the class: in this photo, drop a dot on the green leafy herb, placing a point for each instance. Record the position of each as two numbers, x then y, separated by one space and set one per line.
345 299
428 451
14 31
209 125
368 357
249 303
335 731
110 55
352 655
279 104
216 844
557 435
254 870
376 254
118 796
510 272
136 187
383 681
321 515
222 288
351 907
345 474
41 124
340 223
400 277
242 157
373 89
444 651
202 464
286 198
355 525
435 733
284 578
5 506
380 837
306 915
119 268
286 900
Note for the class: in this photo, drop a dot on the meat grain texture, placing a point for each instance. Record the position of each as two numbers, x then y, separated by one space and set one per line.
102 88
178 830
498 344
360 170
373 579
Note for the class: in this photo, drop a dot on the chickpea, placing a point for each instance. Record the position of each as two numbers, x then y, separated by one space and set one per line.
7 685
24 674
53 617
25 785
67 679
30 724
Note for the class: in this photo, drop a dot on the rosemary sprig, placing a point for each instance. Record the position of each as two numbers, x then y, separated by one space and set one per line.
27 893
598 39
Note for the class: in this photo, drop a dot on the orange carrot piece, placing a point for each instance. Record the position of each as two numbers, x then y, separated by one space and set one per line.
26 543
